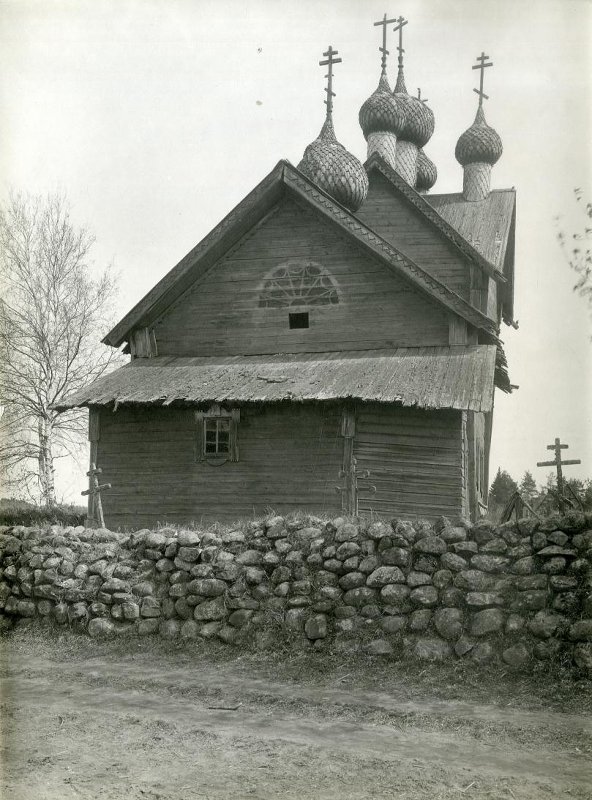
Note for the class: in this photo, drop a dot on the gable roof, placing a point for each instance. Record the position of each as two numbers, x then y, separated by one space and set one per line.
252 210
458 377
452 217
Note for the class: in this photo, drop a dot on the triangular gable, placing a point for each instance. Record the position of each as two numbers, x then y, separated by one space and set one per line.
248 213
441 226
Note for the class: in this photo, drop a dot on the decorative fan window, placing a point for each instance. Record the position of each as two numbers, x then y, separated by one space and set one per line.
298 282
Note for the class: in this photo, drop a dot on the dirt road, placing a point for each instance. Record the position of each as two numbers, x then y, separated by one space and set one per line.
146 727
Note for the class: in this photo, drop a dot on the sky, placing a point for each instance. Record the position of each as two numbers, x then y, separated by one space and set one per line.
156 117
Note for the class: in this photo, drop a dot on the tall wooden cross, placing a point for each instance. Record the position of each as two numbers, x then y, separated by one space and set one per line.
558 463
330 60
482 65
384 22
401 21
94 490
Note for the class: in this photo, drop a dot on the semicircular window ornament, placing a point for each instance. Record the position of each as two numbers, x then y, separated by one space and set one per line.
298 282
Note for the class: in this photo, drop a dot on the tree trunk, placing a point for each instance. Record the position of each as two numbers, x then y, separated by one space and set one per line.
46 467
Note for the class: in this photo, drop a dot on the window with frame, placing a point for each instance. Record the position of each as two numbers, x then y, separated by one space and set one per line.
217 435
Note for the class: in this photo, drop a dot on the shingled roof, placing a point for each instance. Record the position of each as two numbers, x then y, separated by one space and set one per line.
460 377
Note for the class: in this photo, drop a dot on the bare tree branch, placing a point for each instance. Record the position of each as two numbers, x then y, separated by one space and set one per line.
52 316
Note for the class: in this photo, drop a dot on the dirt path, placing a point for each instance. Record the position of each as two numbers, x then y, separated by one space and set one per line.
107 728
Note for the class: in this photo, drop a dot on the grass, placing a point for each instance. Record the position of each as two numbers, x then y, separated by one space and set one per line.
20 512
551 686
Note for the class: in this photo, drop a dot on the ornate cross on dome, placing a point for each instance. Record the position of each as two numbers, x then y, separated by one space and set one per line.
419 97
401 21
384 22
482 66
330 60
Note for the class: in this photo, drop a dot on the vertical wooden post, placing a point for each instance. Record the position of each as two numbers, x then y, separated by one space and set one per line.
349 496
93 437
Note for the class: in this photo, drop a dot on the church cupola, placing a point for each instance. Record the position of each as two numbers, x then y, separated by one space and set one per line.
327 163
382 116
419 120
427 174
479 147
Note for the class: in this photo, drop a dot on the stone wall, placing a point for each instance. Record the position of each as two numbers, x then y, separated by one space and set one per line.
516 593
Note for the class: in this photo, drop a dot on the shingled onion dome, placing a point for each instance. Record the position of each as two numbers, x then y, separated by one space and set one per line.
477 150
417 131
335 169
382 118
427 174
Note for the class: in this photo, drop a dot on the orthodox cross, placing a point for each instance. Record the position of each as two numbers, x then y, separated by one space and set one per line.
419 97
349 491
558 463
401 21
482 66
330 60
384 22
94 490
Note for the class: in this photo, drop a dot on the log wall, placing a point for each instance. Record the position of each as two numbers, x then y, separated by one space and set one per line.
221 315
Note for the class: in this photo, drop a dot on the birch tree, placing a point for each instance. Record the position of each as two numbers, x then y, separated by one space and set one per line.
52 314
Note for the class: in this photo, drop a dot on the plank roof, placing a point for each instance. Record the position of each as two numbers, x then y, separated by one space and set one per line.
455 377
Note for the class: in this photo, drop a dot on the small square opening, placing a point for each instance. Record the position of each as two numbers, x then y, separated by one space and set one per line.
299 320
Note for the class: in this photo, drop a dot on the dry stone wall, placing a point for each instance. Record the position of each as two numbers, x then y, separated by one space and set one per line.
518 593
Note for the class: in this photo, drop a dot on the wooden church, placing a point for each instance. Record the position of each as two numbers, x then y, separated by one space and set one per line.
332 345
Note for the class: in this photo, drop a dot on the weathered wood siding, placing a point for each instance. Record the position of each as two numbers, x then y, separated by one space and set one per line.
289 457
414 458
221 314
402 225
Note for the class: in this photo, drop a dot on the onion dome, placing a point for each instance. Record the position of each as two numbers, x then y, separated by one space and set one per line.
334 169
382 111
427 174
479 143
419 118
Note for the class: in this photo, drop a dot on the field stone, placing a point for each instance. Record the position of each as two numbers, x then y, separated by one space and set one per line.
483 599
393 625
99 609
424 596
77 611
27 608
282 589
415 579
420 619
378 530
360 596
352 580
533 600
254 575
315 627
208 587
464 646
496 546
44 608
451 596
368 564
442 578
568 603
488 563
183 609
189 630
100 627
313 560
448 623
554 565
210 629
155 539
428 564
453 562
370 611
261 591
188 538
395 556
472 580
467 548
432 545
582 656
347 533
379 647
453 534
517 656
544 624
333 565
394 593
210 610
488 621
60 613
383 576
169 628
524 566
581 631
514 624
482 653
294 618
346 550
178 590
526 582
150 607
432 649
385 544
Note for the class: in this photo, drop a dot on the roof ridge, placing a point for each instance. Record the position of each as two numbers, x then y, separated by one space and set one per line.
443 225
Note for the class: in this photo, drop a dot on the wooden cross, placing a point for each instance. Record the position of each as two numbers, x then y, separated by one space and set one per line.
482 66
419 97
401 21
350 489
558 463
384 22
330 60
95 489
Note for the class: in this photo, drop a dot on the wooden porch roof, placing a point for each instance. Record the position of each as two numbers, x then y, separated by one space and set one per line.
458 377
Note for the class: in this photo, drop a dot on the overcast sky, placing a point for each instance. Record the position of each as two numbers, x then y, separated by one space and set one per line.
156 117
